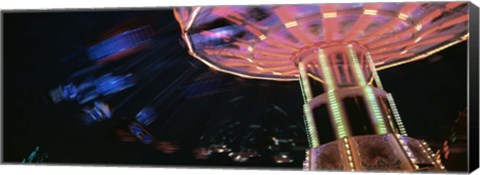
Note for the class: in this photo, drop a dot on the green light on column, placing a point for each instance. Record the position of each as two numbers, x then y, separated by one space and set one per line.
356 66
309 121
304 84
371 99
372 102
337 112
310 125
398 119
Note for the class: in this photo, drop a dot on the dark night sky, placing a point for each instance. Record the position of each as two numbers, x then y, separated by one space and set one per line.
429 93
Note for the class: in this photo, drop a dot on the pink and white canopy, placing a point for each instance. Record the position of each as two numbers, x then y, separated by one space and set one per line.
262 41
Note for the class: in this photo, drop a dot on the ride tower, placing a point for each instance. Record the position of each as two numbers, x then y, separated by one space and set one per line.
334 51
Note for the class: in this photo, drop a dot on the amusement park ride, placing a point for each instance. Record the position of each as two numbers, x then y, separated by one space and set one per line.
334 51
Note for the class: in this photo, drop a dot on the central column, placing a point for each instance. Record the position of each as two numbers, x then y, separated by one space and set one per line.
346 93
352 123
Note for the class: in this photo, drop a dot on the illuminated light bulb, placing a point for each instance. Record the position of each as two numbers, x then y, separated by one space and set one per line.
370 12
330 15
291 24
262 37
250 48
402 16
418 39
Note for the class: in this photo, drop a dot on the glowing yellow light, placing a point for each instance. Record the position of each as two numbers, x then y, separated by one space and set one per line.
291 24
402 16
418 27
418 39
370 12
330 15
311 128
262 37
250 48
